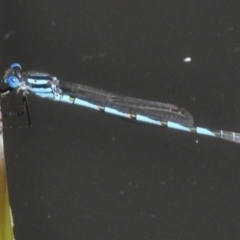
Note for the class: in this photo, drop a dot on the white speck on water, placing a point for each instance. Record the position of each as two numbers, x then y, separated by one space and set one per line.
229 29
163 182
90 57
187 59
7 35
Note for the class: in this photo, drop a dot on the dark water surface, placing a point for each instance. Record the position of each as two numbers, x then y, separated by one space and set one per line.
79 174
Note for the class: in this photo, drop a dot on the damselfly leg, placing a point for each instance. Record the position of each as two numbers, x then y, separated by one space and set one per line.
24 109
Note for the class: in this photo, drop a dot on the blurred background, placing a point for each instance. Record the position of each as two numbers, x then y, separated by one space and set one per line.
80 174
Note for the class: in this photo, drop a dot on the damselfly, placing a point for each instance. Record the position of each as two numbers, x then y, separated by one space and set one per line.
156 113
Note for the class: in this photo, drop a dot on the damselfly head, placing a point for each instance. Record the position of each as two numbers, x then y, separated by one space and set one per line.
13 76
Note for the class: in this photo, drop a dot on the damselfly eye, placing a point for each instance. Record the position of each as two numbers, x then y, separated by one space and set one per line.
13 82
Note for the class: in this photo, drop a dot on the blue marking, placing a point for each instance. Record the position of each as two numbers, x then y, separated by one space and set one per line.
39 74
67 99
12 82
204 131
178 126
116 112
13 65
45 95
41 90
40 82
85 104
142 118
